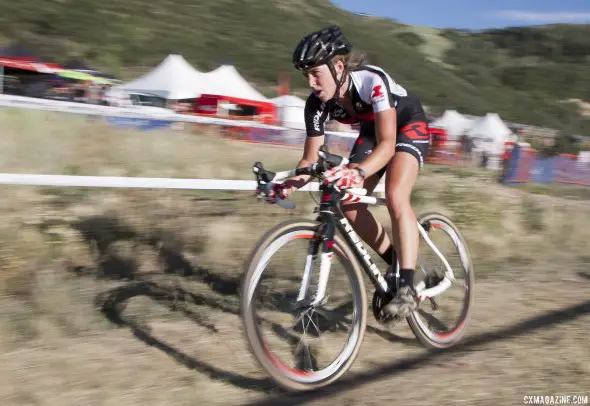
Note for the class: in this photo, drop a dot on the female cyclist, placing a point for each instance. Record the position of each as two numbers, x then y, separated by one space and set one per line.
393 141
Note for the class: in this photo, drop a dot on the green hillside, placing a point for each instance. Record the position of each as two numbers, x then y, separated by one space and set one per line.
520 73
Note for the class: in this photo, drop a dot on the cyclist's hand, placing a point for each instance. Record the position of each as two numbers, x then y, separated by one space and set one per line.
278 191
343 177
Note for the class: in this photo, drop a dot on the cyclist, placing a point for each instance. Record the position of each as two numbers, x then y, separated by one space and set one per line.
393 141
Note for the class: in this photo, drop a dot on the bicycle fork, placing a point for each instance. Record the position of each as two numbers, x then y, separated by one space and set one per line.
326 241
325 238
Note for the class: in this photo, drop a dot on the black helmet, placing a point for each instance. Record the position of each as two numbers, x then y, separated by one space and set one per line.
320 47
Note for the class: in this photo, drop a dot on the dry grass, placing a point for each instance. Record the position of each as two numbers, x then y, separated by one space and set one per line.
76 265
60 143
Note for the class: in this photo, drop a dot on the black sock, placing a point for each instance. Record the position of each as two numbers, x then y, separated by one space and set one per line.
406 277
389 255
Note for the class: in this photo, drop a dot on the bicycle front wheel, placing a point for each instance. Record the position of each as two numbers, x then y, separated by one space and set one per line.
301 318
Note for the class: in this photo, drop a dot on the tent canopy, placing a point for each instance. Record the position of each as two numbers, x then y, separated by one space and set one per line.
228 82
291 111
489 133
288 100
454 123
29 65
173 79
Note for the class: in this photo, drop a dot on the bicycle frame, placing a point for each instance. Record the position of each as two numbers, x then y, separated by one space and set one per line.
331 218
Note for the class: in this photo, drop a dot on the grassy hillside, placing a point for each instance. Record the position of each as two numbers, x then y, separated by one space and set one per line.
504 71
547 63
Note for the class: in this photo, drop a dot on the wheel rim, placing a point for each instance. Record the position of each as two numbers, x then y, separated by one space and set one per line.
295 374
448 336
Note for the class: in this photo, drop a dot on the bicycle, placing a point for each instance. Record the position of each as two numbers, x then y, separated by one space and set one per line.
332 232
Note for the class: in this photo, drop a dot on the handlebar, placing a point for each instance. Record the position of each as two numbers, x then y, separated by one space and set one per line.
266 178
326 161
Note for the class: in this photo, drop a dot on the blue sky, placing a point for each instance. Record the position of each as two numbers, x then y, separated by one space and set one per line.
474 14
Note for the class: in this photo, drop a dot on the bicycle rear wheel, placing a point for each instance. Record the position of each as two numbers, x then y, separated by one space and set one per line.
310 376
436 330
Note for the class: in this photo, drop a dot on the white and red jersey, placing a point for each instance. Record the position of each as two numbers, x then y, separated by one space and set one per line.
371 90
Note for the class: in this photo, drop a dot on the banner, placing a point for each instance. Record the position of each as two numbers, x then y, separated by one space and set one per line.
526 165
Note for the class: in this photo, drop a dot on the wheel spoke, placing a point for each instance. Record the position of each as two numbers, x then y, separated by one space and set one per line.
301 336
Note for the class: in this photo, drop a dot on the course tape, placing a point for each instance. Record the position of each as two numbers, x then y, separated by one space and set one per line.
136 182
137 112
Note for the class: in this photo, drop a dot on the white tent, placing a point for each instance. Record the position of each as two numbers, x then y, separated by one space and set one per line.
489 133
226 81
291 109
174 78
454 123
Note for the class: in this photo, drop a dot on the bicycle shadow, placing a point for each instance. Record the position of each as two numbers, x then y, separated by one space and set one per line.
101 232
112 304
161 285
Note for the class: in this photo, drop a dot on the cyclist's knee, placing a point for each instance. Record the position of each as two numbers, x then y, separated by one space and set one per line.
398 203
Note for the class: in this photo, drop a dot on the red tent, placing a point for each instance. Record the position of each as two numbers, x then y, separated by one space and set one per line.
208 104
30 65
16 56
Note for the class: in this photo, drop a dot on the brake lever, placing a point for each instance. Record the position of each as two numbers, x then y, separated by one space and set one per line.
285 204
262 174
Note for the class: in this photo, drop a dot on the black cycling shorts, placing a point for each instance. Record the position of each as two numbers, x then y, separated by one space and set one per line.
413 138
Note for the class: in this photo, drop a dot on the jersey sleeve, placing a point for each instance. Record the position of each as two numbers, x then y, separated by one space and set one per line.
315 116
380 96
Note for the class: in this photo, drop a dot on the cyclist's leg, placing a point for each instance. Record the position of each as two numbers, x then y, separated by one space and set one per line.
361 219
402 173
400 178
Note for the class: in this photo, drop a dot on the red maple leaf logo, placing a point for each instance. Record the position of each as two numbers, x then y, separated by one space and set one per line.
377 92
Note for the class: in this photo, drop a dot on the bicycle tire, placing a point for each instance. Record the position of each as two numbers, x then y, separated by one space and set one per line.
441 341
284 376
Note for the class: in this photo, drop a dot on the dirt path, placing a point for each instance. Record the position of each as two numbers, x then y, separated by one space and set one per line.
526 338
162 265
